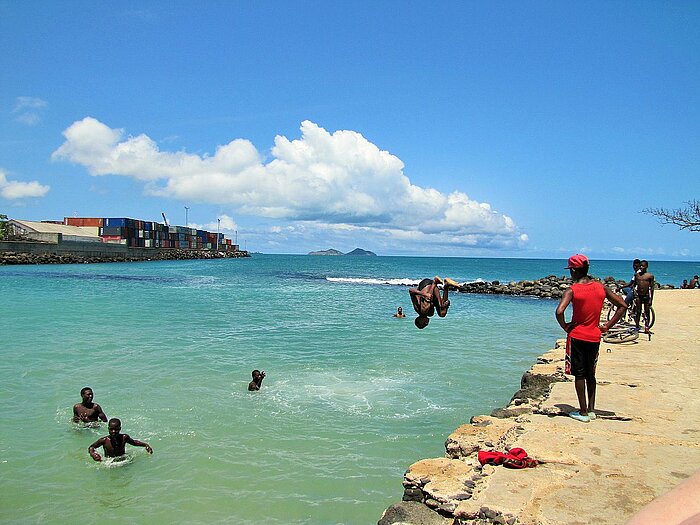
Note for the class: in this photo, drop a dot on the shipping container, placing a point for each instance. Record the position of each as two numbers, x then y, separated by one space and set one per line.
93 222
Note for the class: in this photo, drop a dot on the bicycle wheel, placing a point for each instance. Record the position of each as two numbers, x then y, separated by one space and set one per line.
611 312
652 317
621 336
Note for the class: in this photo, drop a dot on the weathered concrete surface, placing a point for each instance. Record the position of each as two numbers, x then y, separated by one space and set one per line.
645 440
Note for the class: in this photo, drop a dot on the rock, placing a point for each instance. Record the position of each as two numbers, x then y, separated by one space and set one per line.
411 513
412 494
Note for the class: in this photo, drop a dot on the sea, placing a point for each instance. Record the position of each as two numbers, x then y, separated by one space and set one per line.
352 395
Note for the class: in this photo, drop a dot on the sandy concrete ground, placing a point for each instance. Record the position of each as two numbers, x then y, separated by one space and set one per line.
645 441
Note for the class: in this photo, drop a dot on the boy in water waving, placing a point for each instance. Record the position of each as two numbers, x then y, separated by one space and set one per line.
114 445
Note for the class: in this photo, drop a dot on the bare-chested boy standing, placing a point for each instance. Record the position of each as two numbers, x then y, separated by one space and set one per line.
114 445
644 288
87 411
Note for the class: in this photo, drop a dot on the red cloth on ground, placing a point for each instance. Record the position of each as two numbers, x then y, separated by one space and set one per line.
515 458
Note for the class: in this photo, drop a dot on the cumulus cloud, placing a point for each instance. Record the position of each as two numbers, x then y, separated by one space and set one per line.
27 110
10 189
224 224
337 178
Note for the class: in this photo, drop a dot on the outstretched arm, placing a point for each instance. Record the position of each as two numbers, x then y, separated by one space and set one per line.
91 449
137 443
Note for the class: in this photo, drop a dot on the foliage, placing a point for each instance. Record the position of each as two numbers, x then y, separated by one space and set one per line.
687 218
4 227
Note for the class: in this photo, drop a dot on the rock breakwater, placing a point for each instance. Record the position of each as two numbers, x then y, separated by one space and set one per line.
550 287
9 258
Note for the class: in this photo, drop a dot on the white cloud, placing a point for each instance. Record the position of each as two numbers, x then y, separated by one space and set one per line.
10 189
224 224
324 178
27 110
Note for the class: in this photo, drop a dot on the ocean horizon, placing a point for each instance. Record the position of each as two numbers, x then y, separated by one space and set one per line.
352 396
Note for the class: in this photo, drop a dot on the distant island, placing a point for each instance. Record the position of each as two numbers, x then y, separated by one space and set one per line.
356 251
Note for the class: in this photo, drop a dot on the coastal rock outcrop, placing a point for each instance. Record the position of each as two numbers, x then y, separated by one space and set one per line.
8 258
550 287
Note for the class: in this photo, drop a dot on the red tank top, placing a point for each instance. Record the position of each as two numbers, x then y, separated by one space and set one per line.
587 303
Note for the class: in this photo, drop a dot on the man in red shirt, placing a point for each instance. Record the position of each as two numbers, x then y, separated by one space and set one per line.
584 331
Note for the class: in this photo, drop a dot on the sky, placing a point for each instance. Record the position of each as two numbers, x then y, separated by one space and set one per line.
488 129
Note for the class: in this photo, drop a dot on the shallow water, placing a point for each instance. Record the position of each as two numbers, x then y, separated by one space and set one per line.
352 395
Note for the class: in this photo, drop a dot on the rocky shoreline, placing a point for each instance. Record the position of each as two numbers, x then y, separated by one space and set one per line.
550 287
10 258
440 491
642 444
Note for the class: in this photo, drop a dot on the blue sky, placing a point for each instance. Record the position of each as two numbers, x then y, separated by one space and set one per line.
506 129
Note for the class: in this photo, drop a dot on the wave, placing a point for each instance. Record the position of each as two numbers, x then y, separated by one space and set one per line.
375 281
402 281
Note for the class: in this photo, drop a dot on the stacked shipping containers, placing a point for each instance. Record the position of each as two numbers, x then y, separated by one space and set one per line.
146 234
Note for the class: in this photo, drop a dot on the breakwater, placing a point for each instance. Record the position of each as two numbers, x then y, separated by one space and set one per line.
98 256
550 287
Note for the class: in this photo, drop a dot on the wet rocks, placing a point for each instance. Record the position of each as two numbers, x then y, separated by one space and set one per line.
11 258
550 287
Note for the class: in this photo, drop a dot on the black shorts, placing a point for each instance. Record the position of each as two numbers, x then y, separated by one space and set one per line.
424 283
644 298
582 357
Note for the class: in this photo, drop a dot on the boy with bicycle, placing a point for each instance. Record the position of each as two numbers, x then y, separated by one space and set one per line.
644 290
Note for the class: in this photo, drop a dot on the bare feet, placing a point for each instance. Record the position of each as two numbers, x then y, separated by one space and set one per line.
451 282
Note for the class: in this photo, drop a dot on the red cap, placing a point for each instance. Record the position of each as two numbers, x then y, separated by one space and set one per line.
577 261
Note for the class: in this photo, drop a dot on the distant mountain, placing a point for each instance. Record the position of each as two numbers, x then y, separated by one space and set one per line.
359 251
356 251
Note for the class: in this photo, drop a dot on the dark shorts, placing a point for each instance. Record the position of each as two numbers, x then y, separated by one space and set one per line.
581 358
644 298
424 283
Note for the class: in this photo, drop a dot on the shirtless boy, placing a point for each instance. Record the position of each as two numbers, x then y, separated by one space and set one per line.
426 299
114 445
645 291
86 410
256 383
399 313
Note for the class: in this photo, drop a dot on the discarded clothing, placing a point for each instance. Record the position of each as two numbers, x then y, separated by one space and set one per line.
515 458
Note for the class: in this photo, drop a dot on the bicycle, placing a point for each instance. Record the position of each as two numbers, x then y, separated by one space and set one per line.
628 318
624 334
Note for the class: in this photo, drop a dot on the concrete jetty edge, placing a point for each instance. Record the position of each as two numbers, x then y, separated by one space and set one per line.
644 441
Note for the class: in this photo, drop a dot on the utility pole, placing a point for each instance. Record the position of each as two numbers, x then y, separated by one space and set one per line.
187 216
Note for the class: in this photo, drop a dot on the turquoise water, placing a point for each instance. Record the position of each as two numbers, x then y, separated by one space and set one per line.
352 395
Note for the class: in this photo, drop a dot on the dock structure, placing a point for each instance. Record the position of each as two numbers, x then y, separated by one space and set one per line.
98 239
644 441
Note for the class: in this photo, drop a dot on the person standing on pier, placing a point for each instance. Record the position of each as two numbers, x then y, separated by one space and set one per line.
584 331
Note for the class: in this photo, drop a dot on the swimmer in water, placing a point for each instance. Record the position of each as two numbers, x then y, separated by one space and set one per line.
399 313
114 445
87 411
256 383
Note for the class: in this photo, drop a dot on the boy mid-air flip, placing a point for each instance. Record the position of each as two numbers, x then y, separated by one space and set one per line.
426 299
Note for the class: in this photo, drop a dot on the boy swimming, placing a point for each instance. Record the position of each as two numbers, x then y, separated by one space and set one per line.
87 411
114 445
